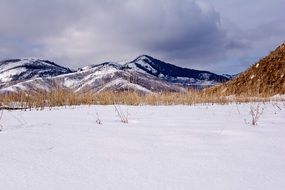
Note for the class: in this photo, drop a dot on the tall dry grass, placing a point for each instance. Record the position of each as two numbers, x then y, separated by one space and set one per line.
63 98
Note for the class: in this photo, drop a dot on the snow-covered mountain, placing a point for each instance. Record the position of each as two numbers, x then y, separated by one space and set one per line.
24 69
103 77
175 74
144 74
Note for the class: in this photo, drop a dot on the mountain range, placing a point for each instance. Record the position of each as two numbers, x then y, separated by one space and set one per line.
144 74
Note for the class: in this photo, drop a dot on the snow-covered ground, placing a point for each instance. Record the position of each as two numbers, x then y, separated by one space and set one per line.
162 147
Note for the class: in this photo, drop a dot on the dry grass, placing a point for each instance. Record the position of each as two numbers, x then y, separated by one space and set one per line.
63 98
121 114
265 78
255 112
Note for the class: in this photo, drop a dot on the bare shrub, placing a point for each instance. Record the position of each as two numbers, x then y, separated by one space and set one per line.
255 113
123 117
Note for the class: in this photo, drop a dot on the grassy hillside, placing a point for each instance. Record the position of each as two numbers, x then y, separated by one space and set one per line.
265 78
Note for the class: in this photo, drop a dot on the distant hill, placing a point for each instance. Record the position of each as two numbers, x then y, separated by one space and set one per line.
265 78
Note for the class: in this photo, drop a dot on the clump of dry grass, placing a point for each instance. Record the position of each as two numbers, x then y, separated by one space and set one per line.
123 116
255 113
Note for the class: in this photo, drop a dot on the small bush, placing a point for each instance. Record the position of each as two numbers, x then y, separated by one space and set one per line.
255 113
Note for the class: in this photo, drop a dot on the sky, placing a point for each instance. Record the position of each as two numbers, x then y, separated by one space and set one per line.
222 36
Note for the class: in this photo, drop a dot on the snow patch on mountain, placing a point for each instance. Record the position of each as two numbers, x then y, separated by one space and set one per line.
140 63
121 84
9 75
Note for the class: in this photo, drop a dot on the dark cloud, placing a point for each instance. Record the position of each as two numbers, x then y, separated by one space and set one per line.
187 32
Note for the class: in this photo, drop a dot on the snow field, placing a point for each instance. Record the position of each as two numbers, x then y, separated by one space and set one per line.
161 147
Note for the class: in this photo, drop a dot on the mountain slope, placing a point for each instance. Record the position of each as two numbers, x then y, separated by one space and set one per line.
175 74
265 78
116 77
24 69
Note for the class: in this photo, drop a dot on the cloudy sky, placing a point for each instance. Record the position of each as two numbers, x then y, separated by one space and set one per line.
223 36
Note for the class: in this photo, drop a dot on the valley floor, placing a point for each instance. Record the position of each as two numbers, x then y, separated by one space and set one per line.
161 147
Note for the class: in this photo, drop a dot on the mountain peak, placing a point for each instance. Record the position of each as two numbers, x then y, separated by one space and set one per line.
145 58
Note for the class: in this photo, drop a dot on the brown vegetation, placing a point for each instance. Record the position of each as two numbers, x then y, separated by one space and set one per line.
62 98
265 78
